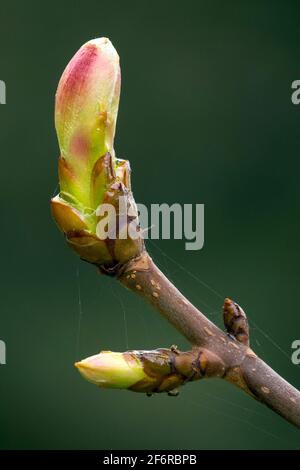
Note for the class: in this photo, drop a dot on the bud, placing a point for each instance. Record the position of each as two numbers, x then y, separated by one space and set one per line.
112 369
86 108
157 371
235 321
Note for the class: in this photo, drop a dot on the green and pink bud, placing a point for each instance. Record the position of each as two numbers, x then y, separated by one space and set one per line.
86 109
90 175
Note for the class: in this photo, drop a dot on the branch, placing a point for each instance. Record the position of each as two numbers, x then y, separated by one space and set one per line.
243 367
91 179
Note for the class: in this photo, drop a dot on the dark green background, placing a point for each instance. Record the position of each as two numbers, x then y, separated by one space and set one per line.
205 117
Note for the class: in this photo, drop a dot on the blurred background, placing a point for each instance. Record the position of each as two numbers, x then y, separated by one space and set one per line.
205 117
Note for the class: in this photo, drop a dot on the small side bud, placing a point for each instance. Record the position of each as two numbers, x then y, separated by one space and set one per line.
235 321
